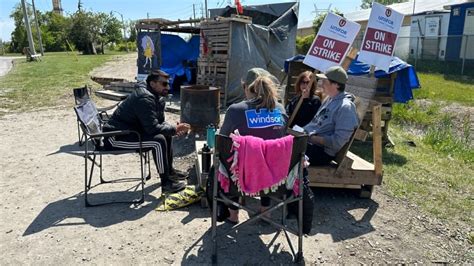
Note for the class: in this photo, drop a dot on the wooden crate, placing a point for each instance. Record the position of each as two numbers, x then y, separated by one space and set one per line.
214 50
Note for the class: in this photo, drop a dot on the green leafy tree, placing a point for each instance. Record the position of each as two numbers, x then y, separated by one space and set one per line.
368 3
54 29
319 20
84 31
304 43
110 29
133 31
19 39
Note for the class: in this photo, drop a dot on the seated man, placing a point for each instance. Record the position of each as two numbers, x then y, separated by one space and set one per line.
335 121
143 111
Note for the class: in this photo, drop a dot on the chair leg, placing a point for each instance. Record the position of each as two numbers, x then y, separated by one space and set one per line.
214 217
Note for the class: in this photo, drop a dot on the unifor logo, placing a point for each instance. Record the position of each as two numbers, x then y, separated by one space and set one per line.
388 12
342 23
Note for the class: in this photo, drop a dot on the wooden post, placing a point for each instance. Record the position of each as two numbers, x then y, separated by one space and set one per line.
377 139
351 55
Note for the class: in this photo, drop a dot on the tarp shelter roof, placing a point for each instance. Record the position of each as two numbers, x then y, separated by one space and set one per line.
404 83
265 43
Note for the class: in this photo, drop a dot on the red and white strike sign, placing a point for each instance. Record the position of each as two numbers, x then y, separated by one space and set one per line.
332 42
381 36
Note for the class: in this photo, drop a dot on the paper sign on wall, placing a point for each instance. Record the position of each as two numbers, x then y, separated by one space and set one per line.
381 35
332 42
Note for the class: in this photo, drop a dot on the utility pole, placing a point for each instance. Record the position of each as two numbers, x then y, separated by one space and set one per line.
205 7
194 12
38 31
28 28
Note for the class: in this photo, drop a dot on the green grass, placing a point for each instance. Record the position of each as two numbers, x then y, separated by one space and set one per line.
445 88
46 83
437 173
438 183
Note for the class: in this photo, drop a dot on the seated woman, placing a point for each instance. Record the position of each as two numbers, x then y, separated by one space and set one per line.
311 100
260 92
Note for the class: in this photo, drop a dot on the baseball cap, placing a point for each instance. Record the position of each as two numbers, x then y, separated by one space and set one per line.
335 73
256 72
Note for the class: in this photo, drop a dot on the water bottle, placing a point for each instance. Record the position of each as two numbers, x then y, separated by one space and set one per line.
211 134
206 159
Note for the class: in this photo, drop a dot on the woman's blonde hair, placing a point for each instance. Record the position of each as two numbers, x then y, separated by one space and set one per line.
265 90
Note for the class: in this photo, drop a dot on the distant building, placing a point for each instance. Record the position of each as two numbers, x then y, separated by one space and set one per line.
460 44
423 11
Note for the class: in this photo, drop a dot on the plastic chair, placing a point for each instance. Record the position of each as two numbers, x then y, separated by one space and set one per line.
91 126
222 154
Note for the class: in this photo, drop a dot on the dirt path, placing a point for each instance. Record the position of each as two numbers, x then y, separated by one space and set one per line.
44 221
6 63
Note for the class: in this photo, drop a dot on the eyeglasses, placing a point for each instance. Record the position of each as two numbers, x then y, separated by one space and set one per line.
165 83
304 82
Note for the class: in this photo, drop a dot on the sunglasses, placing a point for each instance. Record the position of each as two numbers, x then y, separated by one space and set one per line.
304 82
165 83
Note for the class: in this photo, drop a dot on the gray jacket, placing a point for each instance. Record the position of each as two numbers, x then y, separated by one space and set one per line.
335 121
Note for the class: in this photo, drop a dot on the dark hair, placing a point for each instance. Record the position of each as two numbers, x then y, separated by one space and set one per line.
341 87
265 90
155 76
299 79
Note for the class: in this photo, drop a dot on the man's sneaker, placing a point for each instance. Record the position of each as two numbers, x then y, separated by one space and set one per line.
178 175
173 186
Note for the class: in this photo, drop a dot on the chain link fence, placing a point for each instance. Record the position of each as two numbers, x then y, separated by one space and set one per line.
449 55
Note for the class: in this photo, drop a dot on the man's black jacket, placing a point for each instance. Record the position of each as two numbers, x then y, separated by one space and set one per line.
142 111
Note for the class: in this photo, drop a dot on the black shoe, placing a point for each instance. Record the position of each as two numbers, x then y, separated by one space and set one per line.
178 175
173 187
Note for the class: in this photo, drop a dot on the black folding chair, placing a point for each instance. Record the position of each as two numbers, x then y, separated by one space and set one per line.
91 125
221 155
82 95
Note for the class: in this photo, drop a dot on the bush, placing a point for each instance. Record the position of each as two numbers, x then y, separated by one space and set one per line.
304 43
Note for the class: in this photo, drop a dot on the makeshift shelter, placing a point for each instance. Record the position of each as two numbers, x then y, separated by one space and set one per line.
263 37
160 47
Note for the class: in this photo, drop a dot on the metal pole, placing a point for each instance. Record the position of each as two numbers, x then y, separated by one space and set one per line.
28 28
194 12
205 7
38 31
464 57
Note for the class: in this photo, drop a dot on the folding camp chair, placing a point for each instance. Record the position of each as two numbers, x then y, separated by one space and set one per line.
82 95
91 125
221 155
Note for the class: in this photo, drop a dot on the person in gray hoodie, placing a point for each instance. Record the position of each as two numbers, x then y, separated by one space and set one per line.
335 121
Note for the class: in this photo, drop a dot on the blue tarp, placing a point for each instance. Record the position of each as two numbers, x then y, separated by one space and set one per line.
404 83
175 51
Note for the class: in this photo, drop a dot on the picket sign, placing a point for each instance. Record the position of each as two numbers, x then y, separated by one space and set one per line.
332 42
380 37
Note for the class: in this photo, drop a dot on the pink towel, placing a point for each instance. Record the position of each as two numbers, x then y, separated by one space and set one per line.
262 164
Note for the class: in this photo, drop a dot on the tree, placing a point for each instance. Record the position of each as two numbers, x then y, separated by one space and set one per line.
83 31
110 29
18 36
54 29
319 20
304 43
366 4
133 31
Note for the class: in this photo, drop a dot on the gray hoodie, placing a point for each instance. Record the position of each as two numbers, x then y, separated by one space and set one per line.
335 121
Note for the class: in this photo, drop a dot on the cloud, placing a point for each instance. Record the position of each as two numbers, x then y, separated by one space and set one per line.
6 28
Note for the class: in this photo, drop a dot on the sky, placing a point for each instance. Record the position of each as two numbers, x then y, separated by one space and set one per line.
168 9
